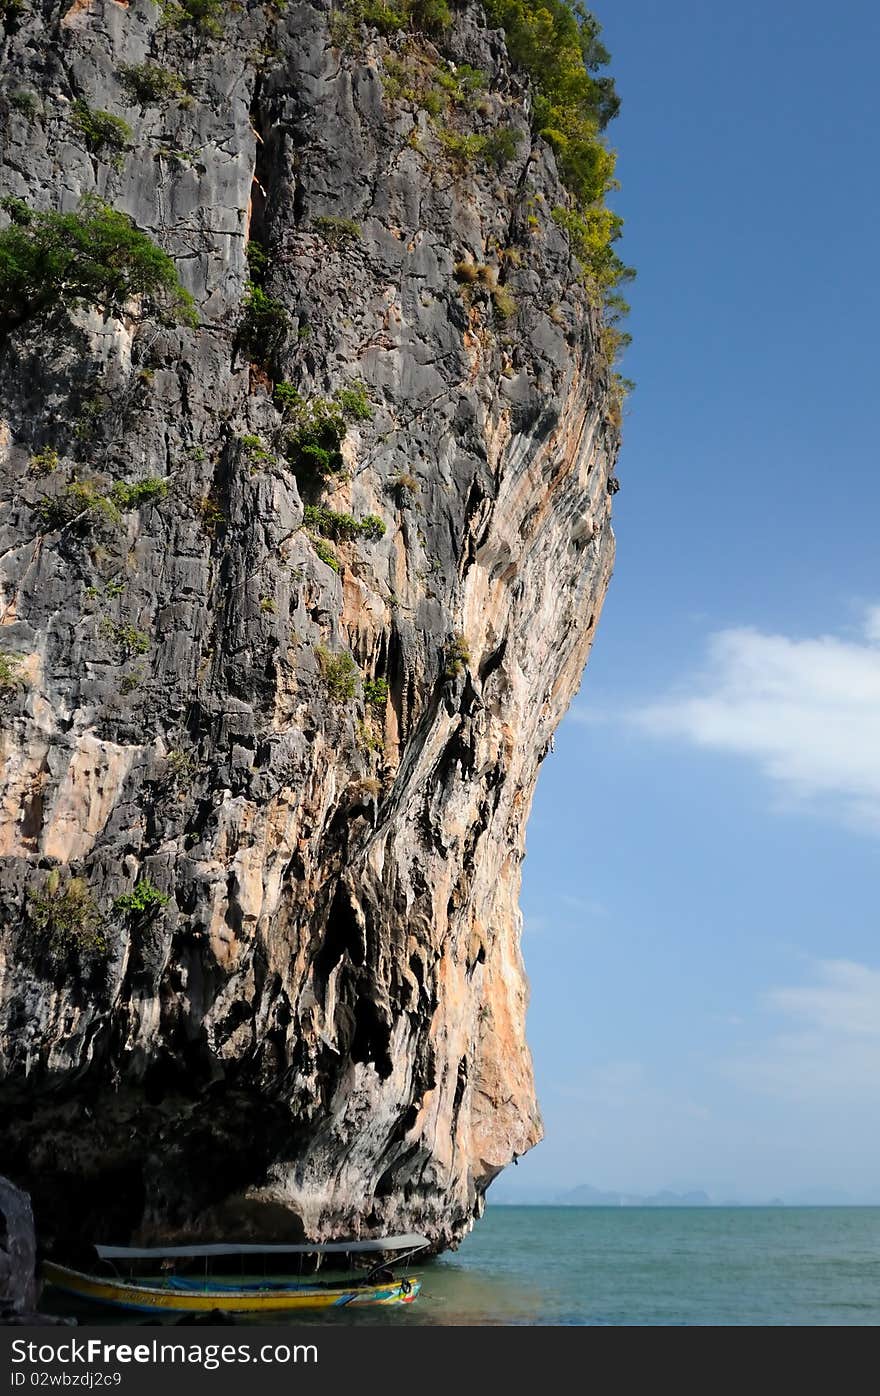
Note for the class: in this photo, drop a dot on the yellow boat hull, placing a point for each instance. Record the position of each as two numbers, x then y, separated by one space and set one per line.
143 1297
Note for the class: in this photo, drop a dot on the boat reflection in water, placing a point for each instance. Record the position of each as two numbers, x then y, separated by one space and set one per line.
169 1293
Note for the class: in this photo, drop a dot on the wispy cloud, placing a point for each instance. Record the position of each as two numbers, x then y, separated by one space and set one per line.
561 914
827 1045
807 711
534 924
628 1086
582 906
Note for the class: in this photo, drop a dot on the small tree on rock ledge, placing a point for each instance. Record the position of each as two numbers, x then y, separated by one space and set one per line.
96 257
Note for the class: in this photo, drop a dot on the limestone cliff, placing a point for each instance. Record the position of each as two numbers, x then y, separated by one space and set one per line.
307 706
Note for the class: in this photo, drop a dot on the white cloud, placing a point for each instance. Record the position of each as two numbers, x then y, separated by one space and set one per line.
563 914
583 906
872 625
845 1001
627 1086
534 924
828 1043
807 711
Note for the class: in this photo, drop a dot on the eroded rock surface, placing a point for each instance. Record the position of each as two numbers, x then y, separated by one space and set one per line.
322 1030
18 1251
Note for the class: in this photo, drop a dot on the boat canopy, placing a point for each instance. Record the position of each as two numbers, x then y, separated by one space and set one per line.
409 1242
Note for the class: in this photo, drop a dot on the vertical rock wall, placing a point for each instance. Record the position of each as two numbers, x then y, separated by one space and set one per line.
322 1029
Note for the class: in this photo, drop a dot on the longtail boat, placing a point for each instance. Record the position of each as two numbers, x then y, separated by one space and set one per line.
187 1294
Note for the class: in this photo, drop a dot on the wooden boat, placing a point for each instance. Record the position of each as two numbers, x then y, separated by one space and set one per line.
186 1294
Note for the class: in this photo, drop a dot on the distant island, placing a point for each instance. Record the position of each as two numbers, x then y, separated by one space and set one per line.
586 1196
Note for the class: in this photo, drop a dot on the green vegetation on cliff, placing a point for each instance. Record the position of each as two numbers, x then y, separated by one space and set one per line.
65 916
339 672
557 43
104 134
90 502
203 17
431 16
10 672
313 445
342 527
95 257
144 901
149 82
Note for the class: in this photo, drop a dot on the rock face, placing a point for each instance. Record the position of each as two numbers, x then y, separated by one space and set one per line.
18 1260
18 1251
322 1030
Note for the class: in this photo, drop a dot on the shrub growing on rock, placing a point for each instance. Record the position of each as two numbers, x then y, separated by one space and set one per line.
96 257
367 740
25 102
372 527
405 487
149 83
329 523
466 272
462 148
82 502
43 462
314 444
88 502
591 232
257 260
104 134
500 146
367 788
264 326
144 901
179 766
10 672
337 231
200 16
504 303
432 16
558 44
130 640
147 491
325 552
354 403
342 527
65 915
376 693
457 656
313 447
211 514
339 672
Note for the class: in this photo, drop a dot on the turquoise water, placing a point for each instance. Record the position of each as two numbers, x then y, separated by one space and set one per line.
644 1265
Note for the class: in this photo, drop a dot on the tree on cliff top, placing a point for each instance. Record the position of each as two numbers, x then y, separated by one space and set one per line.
95 257
557 43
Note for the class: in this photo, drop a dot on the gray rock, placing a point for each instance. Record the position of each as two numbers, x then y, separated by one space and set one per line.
18 1289
322 1030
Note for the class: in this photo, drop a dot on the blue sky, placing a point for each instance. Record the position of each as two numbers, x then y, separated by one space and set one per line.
700 894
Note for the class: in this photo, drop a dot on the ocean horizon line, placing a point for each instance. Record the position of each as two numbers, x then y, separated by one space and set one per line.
684 1206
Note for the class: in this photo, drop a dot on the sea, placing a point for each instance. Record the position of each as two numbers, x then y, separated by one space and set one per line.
673 1266
670 1266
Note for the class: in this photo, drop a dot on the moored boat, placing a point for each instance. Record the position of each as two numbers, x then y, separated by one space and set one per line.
173 1293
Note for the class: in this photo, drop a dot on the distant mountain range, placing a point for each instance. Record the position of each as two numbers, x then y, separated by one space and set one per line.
587 1196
